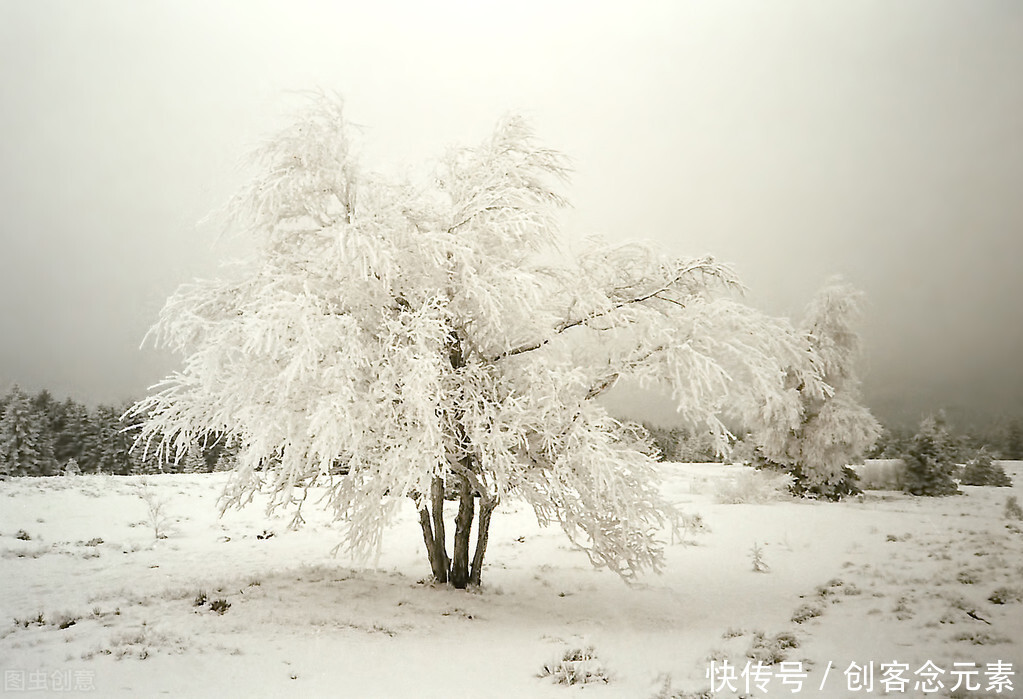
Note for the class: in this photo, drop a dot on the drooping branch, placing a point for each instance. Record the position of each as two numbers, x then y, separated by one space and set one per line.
706 265
610 379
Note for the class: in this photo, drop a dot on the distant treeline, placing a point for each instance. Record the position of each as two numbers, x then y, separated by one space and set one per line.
1002 442
41 436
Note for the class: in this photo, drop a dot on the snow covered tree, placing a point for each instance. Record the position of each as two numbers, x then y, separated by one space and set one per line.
71 468
930 462
193 461
981 469
395 340
679 445
836 428
71 432
110 445
25 446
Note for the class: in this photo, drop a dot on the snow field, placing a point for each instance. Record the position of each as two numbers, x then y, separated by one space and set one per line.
886 577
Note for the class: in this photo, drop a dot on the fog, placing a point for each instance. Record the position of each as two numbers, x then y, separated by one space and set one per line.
797 140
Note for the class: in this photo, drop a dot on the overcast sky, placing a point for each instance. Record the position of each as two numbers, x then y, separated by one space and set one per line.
881 141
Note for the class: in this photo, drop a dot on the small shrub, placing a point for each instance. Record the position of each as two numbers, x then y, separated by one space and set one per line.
22 535
95 541
829 588
157 516
902 608
980 638
967 577
66 621
757 554
837 586
1013 509
1006 595
200 599
577 666
753 487
690 524
842 485
71 468
805 613
771 651
220 606
38 620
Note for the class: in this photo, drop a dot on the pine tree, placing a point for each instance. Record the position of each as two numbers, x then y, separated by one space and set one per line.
227 455
71 432
92 431
405 340
193 461
930 463
111 445
25 447
981 469
71 468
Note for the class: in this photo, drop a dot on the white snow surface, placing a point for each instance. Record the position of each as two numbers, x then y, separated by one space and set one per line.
895 578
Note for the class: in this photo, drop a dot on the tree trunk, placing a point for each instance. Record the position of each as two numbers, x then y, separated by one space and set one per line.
459 577
439 536
433 552
482 535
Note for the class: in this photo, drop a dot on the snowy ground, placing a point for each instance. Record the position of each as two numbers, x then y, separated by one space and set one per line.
888 578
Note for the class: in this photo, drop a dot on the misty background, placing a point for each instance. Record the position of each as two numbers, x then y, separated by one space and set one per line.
796 140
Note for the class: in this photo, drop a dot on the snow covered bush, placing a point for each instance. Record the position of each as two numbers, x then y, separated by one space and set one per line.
749 486
981 469
806 612
155 507
396 339
220 606
1006 595
576 666
756 553
773 650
